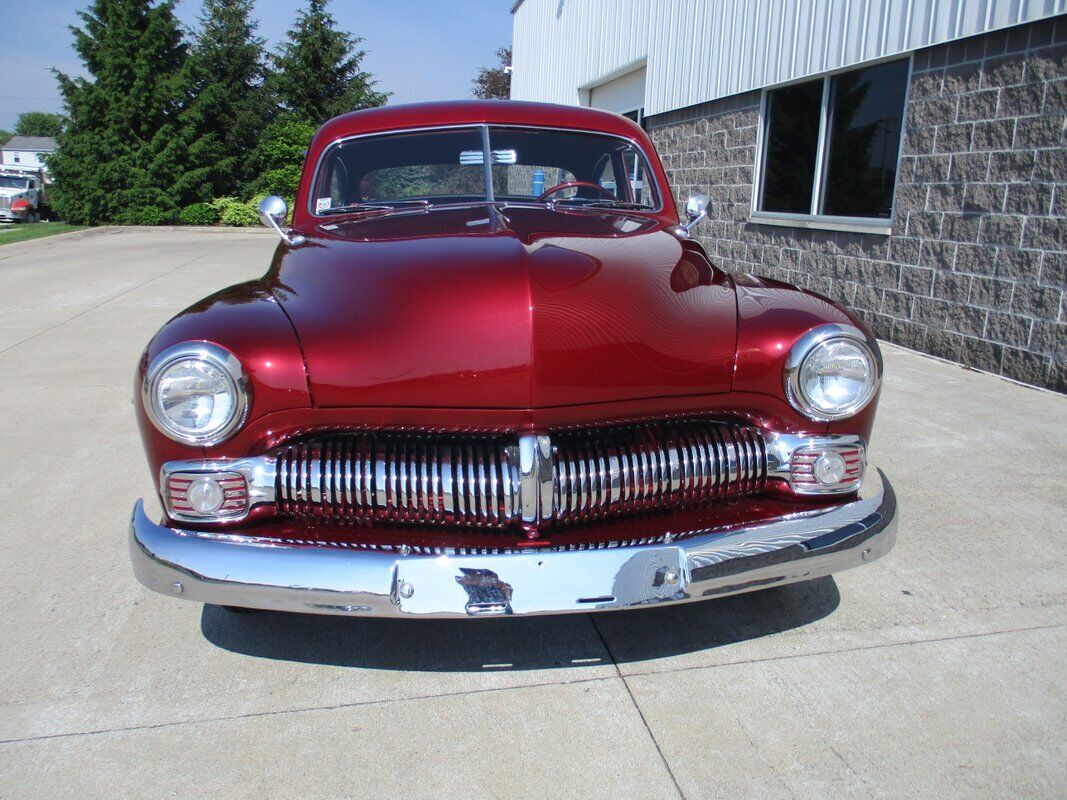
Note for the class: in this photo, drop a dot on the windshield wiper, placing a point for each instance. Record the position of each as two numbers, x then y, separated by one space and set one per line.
391 205
586 202
619 204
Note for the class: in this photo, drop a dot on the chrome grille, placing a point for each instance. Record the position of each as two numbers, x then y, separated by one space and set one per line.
401 477
652 466
477 480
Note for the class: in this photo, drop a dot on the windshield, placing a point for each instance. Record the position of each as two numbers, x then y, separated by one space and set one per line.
526 165
11 182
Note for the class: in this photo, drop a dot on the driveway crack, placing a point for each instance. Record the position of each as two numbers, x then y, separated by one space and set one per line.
637 707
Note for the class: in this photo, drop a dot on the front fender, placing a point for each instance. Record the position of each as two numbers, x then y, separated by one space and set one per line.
247 321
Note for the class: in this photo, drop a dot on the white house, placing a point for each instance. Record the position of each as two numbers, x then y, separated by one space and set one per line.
27 152
905 157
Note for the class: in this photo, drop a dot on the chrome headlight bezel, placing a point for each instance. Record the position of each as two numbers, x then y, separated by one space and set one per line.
808 344
218 357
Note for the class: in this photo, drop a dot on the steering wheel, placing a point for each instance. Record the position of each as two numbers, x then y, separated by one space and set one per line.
559 187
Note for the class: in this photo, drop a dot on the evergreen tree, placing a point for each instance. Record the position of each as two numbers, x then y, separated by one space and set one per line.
318 73
124 154
4 136
229 107
39 123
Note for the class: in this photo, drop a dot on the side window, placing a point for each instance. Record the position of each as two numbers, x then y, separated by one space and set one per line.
623 172
338 183
635 173
605 175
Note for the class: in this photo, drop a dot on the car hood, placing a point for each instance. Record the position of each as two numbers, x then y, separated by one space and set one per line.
505 307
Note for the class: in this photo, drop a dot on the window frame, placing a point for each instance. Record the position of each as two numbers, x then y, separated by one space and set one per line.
813 219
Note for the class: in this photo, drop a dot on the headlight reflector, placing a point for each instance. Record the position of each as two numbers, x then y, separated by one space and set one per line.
196 393
832 373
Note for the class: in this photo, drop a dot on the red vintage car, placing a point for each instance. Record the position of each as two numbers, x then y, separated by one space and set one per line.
489 372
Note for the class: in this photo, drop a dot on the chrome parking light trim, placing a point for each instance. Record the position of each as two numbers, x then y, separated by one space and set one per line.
782 446
696 565
259 473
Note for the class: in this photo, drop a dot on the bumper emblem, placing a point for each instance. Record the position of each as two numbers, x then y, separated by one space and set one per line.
486 593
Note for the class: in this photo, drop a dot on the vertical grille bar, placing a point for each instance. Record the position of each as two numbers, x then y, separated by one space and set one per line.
402 478
655 465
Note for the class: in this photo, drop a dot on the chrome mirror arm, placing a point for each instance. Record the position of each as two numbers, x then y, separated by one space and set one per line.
272 213
696 209
694 221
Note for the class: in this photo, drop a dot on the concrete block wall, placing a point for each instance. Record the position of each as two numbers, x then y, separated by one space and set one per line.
975 269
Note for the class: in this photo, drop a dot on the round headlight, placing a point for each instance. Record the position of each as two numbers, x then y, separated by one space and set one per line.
196 393
831 373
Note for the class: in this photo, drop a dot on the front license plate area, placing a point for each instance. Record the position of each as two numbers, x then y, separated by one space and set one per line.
531 583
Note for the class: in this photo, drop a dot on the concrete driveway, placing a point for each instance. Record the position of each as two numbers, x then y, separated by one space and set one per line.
937 671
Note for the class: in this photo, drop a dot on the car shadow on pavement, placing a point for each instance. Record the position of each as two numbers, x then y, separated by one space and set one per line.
519 643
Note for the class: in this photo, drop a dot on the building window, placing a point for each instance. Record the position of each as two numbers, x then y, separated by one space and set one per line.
831 146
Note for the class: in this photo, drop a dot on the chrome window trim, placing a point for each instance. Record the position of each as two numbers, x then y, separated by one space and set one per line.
804 346
204 351
487 126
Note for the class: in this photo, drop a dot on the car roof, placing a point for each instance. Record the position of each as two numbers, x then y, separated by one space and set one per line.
470 112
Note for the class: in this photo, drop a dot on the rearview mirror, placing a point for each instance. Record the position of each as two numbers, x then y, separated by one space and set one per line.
272 213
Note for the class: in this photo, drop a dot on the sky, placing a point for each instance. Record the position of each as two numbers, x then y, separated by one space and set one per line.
418 49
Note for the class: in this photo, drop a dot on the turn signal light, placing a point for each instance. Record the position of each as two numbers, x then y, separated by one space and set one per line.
206 496
825 470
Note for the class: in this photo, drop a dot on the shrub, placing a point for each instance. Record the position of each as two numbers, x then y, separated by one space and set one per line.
199 214
153 215
231 211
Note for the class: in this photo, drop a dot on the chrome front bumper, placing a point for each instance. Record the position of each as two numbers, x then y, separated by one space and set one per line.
227 570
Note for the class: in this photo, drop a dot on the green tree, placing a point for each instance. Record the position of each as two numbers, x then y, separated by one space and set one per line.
4 136
279 157
39 123
229 106
494 83
124 150
317 71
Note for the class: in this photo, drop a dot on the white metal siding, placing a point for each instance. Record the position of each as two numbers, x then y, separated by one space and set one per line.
701 50
565 46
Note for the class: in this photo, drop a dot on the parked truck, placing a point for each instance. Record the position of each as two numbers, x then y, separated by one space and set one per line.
22 194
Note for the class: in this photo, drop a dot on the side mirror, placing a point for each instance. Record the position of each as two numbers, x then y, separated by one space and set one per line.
696 209
272 213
